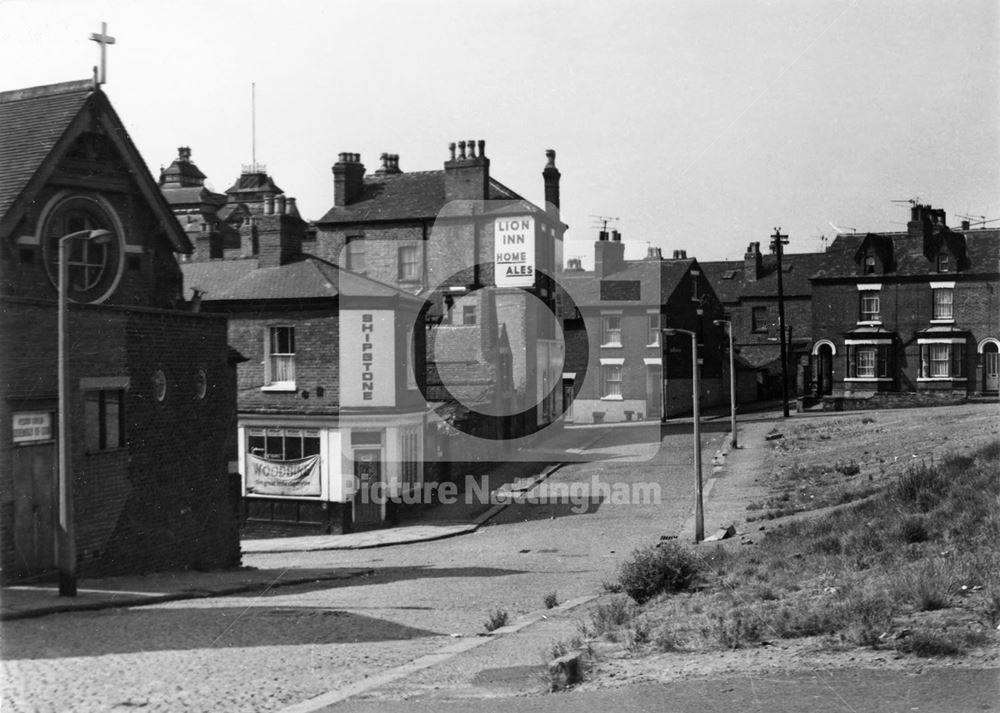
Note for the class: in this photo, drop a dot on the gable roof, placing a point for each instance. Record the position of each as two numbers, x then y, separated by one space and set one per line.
31 123
728 277
38 125
585 288
308 277
981 246
416 195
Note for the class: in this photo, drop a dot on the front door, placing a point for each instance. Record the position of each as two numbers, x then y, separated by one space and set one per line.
34 508
824 370
991 368
368 499
654 391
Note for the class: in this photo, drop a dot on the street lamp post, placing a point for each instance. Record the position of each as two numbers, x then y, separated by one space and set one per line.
699 513
728 326
65 535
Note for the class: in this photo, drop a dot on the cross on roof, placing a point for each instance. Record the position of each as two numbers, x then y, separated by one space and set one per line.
103 39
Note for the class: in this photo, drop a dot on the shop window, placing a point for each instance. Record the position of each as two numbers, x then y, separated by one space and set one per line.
868 361
944 303
104 420
280 357
611 381
870 306
356 254
611 330
758 316
283 444
942 361
653 340
409 263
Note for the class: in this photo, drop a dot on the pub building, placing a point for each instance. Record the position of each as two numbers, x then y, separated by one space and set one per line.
331 419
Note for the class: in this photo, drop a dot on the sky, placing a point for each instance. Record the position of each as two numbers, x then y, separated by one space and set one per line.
699 125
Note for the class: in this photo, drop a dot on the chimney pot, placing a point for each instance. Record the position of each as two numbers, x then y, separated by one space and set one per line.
602 235
616 236
482 148
184 153
279 204
472 148
384 158
966 225
269 205
461 150
550 155
451 148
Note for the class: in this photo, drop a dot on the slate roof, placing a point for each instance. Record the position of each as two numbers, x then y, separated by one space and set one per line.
408 196
982 251
728 277
584 287
306 278
36 126
31 123
254 182
192 194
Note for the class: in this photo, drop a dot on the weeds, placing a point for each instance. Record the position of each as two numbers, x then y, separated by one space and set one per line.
667 567
551 600
498 618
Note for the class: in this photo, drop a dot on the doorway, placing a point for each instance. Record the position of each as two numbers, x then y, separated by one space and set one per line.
368 499
654 391
34 508
824 369
991 367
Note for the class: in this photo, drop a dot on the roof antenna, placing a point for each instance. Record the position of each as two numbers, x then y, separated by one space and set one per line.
603 220
253 125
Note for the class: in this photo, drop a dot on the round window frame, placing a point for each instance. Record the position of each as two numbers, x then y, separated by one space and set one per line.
105 212
200 384
159 386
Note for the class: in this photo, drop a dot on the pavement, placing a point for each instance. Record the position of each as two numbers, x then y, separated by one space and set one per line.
434 523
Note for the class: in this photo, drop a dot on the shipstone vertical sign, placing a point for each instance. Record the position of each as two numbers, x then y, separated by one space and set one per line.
367 358
514 243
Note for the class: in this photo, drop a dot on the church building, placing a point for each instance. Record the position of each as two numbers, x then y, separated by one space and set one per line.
147 387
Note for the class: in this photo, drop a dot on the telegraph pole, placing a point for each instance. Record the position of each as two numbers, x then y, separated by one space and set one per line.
777 242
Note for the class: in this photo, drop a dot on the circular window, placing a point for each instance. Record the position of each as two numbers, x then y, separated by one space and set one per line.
93 250
159 385
200 383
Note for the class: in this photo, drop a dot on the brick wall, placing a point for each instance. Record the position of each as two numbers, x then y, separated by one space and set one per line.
162 501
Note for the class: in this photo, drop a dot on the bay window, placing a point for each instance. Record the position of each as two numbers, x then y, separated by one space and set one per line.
942 359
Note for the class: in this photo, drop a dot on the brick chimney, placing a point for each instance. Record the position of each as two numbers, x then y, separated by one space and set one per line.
609 255
348 178
551 175
753 262
467 175
390 165
279 238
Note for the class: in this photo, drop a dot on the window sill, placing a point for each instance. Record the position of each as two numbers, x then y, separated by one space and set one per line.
652 346
869 322
943 321
612 398
612 346
282 386
922 379
868 378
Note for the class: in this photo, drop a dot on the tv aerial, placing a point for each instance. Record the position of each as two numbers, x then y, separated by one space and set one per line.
840 229
912 201
980 220
601 221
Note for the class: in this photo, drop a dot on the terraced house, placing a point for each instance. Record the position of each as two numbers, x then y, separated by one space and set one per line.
908 316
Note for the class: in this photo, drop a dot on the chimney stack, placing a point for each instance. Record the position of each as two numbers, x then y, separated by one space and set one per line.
609 255
753 262
467 177
551 175
390 164
654 253
348 178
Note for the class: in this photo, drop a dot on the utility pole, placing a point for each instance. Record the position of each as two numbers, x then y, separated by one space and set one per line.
777 242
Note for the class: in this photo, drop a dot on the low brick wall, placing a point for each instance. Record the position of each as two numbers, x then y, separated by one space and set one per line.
884 400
